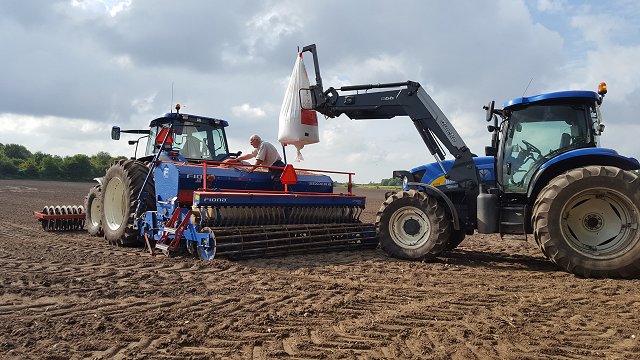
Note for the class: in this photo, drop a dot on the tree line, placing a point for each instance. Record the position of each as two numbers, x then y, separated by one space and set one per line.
17 162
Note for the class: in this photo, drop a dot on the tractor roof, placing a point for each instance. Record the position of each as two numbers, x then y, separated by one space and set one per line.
560 95
186 117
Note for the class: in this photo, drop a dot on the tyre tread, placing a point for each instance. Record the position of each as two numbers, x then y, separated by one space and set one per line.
554 247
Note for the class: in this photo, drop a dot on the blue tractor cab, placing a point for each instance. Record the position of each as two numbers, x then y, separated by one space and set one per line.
550 133
194 137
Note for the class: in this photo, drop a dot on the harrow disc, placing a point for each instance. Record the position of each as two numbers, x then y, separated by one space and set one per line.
46 224
81 220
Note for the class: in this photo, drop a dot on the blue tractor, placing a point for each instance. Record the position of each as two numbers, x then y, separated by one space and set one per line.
544 174
181 195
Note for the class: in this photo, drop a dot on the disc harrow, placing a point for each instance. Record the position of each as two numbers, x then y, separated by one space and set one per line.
61 218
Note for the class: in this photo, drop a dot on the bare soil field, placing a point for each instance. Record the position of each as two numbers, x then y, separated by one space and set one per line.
72 296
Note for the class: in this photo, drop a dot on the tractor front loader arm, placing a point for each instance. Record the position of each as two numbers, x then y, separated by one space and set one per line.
400 99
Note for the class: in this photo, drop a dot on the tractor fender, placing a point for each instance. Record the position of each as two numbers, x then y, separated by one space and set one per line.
99 180
434 191
574 159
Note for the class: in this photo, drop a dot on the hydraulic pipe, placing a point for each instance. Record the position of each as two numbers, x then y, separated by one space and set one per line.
374 86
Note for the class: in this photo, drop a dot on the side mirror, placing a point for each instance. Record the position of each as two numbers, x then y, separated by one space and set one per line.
489 108
115 133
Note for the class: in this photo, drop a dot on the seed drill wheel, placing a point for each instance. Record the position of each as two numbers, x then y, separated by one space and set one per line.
208 251
121 186
412 225
93 206
586 221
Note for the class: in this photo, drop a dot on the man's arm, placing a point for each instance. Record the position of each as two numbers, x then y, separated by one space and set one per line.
240 158
245 157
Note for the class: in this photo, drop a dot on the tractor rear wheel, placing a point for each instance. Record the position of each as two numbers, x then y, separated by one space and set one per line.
93 211
412 225
121 186
586 222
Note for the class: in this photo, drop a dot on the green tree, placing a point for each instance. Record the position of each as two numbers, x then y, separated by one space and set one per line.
28 168
100 163
7 168
51 167
77 167
391 182
15 151
38 156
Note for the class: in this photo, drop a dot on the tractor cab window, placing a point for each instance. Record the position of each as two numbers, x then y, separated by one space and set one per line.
537 133
195 141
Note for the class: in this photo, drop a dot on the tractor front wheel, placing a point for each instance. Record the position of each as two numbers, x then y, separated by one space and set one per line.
412 225
93 211
121 187
586 222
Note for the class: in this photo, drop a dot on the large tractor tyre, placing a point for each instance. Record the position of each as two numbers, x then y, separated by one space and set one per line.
412 225
121 186
456 237
93 211
586 222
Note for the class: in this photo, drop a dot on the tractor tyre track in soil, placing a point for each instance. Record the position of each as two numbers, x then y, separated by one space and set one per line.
69 295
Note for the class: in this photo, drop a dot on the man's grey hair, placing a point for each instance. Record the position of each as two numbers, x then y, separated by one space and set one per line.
255 137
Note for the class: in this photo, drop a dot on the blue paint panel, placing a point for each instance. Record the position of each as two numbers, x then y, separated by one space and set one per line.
575 94
222 199
587 152
170 177
433 170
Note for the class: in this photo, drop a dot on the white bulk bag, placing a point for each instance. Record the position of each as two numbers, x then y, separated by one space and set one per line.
298 127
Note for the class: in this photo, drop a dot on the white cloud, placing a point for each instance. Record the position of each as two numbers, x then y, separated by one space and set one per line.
122 61
247 111
111 7
116 7
269 27
606 59
551 6
143 105
597 28
60 136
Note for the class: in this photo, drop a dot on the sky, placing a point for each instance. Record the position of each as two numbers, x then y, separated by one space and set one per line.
71 69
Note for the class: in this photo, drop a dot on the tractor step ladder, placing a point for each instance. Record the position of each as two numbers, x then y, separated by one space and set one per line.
173 227
512 222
